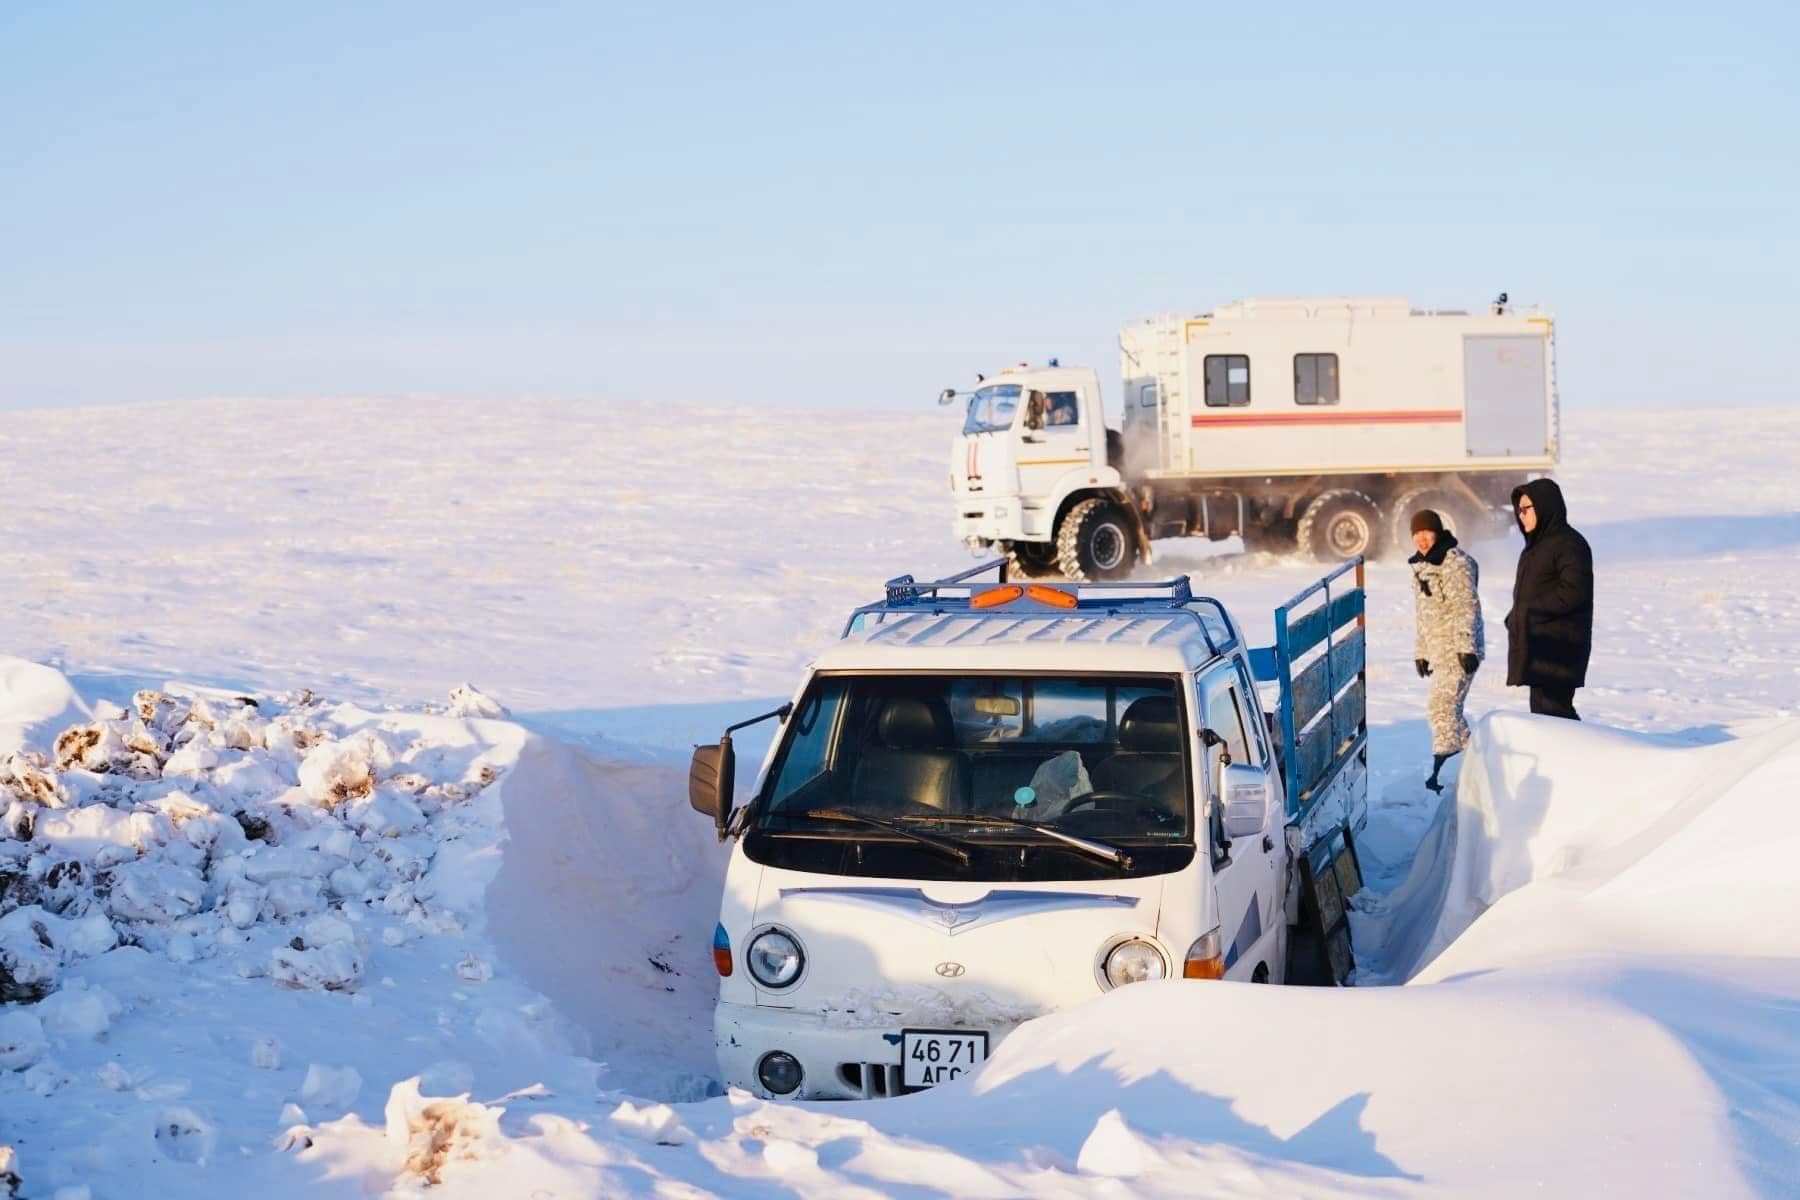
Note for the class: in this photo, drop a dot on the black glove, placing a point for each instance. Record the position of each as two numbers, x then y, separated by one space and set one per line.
1469 663
1424 667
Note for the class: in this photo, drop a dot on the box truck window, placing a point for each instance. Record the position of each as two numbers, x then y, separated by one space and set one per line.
1227 380
1315 379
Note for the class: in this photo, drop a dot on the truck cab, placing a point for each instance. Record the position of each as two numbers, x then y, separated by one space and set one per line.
992 800
1034 446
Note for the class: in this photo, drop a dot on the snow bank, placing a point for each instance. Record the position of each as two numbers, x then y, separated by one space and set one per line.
1627 820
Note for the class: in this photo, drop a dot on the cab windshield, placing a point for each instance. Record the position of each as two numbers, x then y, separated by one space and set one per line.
1098 757
992 408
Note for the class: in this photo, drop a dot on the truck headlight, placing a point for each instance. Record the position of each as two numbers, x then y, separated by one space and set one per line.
774 958
1134 961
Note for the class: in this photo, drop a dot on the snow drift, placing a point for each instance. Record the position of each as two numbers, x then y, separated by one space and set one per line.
274 946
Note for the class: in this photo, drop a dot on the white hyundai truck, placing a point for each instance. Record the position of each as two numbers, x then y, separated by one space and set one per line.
1322 423
992 799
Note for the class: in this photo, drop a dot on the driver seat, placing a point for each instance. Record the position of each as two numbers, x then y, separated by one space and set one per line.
1148 761
912 760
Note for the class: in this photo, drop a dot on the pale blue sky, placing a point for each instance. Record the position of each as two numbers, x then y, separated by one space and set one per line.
859 204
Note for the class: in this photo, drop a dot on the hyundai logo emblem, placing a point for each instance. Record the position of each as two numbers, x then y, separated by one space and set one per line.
950 970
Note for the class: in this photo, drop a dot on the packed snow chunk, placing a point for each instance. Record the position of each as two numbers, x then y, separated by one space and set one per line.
1116 1149
330 1087
22 1040
653 1123
336 967
468 701
194 760
78 1012
473 969
97 831
265 1054
47 1078
28 778
155 891
265 863
114 1078
385 812
291 1114
182 1135
432 1136
102 749
335 772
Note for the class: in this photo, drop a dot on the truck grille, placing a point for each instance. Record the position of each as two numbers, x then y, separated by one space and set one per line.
875 1081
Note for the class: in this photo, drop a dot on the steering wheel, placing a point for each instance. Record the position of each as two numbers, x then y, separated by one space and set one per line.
1093 799
1133 801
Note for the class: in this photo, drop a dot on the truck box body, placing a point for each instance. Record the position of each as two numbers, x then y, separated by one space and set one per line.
1345 386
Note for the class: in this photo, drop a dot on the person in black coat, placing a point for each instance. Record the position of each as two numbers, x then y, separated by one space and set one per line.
1550 630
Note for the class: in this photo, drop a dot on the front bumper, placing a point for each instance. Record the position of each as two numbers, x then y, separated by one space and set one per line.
840 1061
984 518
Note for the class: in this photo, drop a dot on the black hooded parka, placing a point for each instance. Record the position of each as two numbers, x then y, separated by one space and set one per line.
1550 630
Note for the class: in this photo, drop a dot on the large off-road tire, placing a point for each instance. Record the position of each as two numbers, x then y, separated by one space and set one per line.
1031 560
1460 517
1095 541
1341 524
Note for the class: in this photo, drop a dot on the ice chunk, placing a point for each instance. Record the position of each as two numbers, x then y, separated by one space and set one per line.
330 1087
79 1012
468 701
653 1123
335 968
113 1077
266 1054
21 1039
1114 1149
183 1135
474 970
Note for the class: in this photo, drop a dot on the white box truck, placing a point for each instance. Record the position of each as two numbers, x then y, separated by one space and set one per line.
1318 422
990 800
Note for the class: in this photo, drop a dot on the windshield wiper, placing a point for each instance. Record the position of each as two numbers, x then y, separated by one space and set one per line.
947 848
1100 850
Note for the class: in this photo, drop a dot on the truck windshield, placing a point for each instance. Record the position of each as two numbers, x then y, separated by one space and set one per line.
1098 757
991 408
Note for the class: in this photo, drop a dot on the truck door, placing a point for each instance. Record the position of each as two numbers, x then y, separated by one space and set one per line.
1246 872
1055 437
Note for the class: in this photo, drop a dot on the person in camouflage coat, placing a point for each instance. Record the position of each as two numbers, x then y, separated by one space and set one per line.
1450 643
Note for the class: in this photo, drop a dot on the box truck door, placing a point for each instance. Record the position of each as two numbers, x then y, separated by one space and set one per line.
1507 396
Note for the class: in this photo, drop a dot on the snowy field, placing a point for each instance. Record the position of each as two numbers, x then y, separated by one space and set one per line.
286 909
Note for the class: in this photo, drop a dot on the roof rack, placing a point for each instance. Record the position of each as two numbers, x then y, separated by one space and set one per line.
955 594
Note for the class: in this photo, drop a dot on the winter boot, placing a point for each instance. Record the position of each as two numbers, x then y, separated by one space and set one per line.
1437 764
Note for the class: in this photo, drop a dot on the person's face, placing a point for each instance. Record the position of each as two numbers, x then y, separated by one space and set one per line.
1424 540
1527 514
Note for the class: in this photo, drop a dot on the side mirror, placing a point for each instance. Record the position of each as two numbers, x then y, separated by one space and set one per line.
710 782
1245 789
946 396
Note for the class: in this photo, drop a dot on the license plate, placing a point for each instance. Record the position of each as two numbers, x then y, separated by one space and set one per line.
929 1057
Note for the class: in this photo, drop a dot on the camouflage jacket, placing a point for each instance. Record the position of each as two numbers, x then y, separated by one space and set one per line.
1447 600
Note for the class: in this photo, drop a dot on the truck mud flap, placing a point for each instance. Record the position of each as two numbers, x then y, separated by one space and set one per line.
1329 876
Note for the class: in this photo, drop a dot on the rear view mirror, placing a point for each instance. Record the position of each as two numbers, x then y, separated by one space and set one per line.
946 396
997 706
1245 789
710 782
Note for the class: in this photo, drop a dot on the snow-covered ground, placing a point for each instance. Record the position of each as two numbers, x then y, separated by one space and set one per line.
287 889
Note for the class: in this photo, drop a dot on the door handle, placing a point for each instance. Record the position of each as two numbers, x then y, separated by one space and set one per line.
1268 843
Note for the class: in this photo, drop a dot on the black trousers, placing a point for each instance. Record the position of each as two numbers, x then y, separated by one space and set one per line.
1554 702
